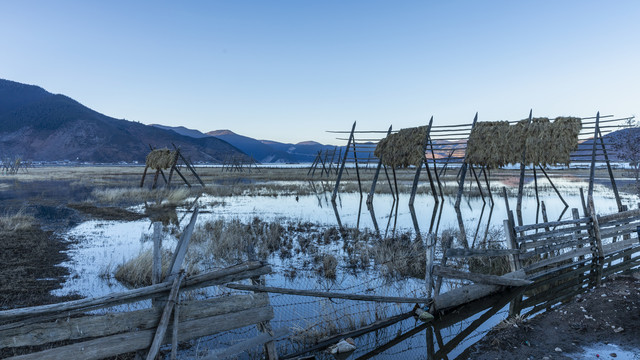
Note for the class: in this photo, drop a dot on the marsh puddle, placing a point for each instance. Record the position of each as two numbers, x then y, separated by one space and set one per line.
102 245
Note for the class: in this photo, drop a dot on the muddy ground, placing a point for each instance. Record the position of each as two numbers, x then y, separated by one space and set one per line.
606 315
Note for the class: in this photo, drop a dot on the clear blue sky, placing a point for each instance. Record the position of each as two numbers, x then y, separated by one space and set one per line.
289 70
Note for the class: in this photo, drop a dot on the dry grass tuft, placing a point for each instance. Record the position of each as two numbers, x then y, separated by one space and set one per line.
400 257
175 196
16 222
137 271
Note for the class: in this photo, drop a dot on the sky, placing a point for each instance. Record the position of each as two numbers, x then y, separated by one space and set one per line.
291 70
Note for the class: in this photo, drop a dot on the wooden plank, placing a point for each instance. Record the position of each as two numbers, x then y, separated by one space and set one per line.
619 246
239 348
617 216
468 253
478 278
465 294
183 245
327 294
164 319
570 240
585 220
91 326
137 340
210 278
549 249
562 257
556 232
619 231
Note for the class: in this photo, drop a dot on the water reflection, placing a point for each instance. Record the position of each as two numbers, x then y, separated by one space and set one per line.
450 334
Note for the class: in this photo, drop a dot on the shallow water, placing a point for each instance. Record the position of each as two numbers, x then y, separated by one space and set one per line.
99 246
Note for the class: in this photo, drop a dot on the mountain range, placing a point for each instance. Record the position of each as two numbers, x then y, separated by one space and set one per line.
40 126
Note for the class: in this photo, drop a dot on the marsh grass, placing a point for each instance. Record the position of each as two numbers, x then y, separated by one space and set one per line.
232 241
400 257
128 195
137 271
16 222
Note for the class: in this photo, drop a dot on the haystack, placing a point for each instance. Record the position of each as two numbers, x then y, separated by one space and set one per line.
161 159
404 148
496 144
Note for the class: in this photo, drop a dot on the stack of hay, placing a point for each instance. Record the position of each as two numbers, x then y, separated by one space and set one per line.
404 148
161 159
495 144
486 144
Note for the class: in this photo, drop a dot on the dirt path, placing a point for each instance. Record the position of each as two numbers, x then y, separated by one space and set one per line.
603 323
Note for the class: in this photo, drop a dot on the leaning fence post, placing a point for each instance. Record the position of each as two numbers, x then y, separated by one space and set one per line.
344 160
514 260
166 316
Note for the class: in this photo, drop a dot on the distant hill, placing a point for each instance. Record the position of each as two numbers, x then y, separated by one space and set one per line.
258 150
37 125
182 131
263 151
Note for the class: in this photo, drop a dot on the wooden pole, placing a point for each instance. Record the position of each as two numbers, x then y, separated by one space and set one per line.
386 172
486 181
313 166
535 184
443 169
173 166
375 177
592 171
553 186
475 175
344 160
613 180
431 244
355 159
521 183
463 171
414 187
155 179
435 169
189 166
144 174
156 272
164 320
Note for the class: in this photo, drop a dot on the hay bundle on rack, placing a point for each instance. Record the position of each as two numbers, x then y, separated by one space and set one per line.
404 148
486 142
564 139
161 159
496 144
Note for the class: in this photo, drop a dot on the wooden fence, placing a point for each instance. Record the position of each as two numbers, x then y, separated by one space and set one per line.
99 336
68 331
545 250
